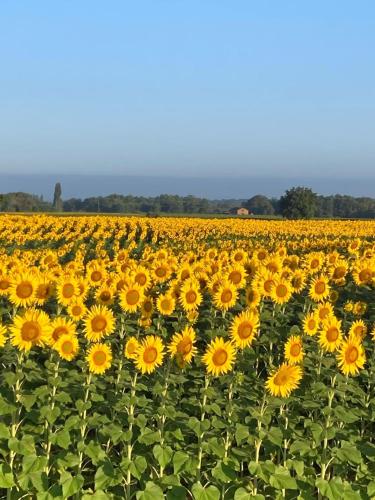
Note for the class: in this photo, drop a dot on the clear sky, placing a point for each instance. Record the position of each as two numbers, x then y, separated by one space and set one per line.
189 87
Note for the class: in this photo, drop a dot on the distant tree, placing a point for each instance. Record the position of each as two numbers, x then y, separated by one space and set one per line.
259 205
57 200
298 203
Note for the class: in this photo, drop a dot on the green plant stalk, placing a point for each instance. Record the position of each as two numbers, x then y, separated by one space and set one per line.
130 446
83 417
15 415
162 417
228 439
325 462
47 426
201 434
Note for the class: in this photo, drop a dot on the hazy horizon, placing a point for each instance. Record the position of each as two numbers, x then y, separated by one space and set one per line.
85 186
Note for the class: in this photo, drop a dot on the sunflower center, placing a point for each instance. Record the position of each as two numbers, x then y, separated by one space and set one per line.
105 296
76 310
185 274
185 346
150 355
4 284
339 272
132 297
67 347
141 279
235 277
268 285
147 306
96 276
365 275
220 357
281 378
226 296
351 354
245 330
295 350
57 332
131 348
311 324
30 331
320 287
99 358
98 323
68 290
165 304
160 272
314 264
281 291
24 290
332 334
323 313
191 297
43 291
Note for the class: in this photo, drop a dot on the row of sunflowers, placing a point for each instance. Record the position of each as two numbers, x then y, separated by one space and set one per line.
186 358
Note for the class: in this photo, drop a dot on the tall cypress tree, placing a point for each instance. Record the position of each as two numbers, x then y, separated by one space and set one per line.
57 201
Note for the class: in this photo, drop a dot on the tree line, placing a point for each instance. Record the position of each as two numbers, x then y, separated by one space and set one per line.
297 202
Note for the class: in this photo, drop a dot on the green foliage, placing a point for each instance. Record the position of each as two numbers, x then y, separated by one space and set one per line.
298 203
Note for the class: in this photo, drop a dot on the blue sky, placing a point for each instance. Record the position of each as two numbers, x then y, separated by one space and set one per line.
195 87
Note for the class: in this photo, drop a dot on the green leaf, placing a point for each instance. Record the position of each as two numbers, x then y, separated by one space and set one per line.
151 492
4 431
176 493
162 454
63 439
33 463
349 453
6 476
97 495
242 494
149 437
332 489
224 473
201 493
275 435
70 484
104 476
242 433
179 460
282 479
138 466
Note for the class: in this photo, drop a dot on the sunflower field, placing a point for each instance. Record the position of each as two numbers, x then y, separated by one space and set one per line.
186 358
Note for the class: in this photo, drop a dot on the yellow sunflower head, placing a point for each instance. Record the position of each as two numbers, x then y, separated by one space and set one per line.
99 358
30 329
67 346
182 346
293 350
351 356
150 354
219 357
284 380
99 322
131 347
244 328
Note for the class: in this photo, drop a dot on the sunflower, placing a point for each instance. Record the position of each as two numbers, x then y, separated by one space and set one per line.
351 356
141 277
364 273
293 350
44 290
99 322
161 272
253 297
244 328
166 304
67 290
99 358
67 346
60 326
131 347
359 308
319 288
30 329
5 283
226 296
190 295
237 276
298 281
284 380
22 289
219 356
264 282
281 291
96 273
150 354
311 323
77 310
131 297
3 338
330 336
147 307
104 295
182 346
358 329
325 310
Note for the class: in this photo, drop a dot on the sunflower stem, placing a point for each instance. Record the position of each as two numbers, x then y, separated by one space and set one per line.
130 420
162 417
83 418
201 433
47 425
